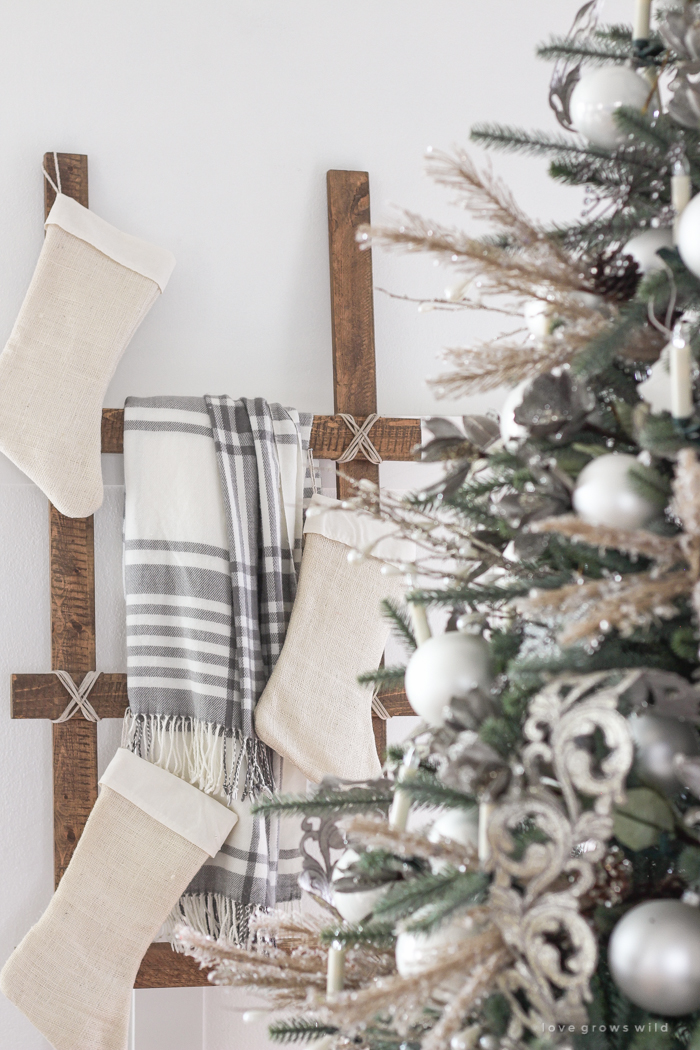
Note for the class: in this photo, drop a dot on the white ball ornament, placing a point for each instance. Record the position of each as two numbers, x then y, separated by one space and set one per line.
654 957
418 952
354 907
604 494
643 248
688 237
447 665
457 825
598 95
513 433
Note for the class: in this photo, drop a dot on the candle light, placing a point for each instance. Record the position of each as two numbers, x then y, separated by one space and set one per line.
401 803
484 846
681 190
336 968
642 20
680 364
419 617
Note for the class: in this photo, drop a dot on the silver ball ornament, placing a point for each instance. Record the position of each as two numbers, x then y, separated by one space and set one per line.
512 433
689 236
604 494
598 95
657 740
644 248
654 957
445 666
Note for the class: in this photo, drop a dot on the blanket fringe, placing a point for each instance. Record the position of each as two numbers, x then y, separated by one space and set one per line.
210 914
205 754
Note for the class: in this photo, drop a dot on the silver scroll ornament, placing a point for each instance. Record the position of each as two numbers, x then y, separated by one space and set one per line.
546 834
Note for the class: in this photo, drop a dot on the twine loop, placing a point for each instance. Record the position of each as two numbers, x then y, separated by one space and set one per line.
361 440
56 186
78 696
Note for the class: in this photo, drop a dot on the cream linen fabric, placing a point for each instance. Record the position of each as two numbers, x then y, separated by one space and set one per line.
312 711
79 314
73 973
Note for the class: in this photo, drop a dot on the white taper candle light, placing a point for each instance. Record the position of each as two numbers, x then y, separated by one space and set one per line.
484 847
336 969
419 617
681 191
642 19
401 802
680 364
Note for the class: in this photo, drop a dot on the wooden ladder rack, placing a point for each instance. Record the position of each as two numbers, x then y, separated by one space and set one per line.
72 556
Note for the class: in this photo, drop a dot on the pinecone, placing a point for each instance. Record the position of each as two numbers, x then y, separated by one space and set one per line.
615 276
613 881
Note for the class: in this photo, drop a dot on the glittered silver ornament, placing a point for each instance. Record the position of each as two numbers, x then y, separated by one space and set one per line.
654 957
658 739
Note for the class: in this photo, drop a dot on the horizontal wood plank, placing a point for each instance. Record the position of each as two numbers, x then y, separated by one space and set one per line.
43 696
394 439
161 967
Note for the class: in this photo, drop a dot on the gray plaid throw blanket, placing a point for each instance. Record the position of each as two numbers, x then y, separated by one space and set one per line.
212 544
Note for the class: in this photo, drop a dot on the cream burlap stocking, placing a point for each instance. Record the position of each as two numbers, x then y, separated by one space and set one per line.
312 710
147 836
92 287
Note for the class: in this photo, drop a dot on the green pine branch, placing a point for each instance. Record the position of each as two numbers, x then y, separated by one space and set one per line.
400 622
354 800
602 350
370 934
592 50
428 900
299 1030
426 790
385 677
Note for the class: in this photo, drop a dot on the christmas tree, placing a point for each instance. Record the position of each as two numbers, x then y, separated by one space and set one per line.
553 897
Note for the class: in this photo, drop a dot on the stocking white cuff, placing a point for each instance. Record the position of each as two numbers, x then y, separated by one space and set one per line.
173 802
376 538
147 259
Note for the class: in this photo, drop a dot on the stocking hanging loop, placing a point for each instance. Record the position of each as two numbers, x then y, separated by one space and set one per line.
78 697
361 440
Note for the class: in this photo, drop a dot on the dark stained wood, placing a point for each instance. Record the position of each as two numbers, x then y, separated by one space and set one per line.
72 579
394 439
74 178
43 696
352 310
161 967
396 703
113 430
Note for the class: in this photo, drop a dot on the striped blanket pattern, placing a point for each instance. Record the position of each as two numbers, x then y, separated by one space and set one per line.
212 544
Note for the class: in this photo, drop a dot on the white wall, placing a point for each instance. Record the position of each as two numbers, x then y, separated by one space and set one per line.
209 128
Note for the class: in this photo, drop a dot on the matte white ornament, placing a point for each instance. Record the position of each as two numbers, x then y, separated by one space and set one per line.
643 248
457 825
688 236
447 665
596 97
538 317
654 957
604 494
513 433
418 952
354 907
657 740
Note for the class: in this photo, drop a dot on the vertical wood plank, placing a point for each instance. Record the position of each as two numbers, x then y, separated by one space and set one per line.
72 579
352 319
352 309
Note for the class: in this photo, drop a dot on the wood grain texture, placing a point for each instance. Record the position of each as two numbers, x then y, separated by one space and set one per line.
396 703
352 310
74 178
43 696
161 967
72 581
394 439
